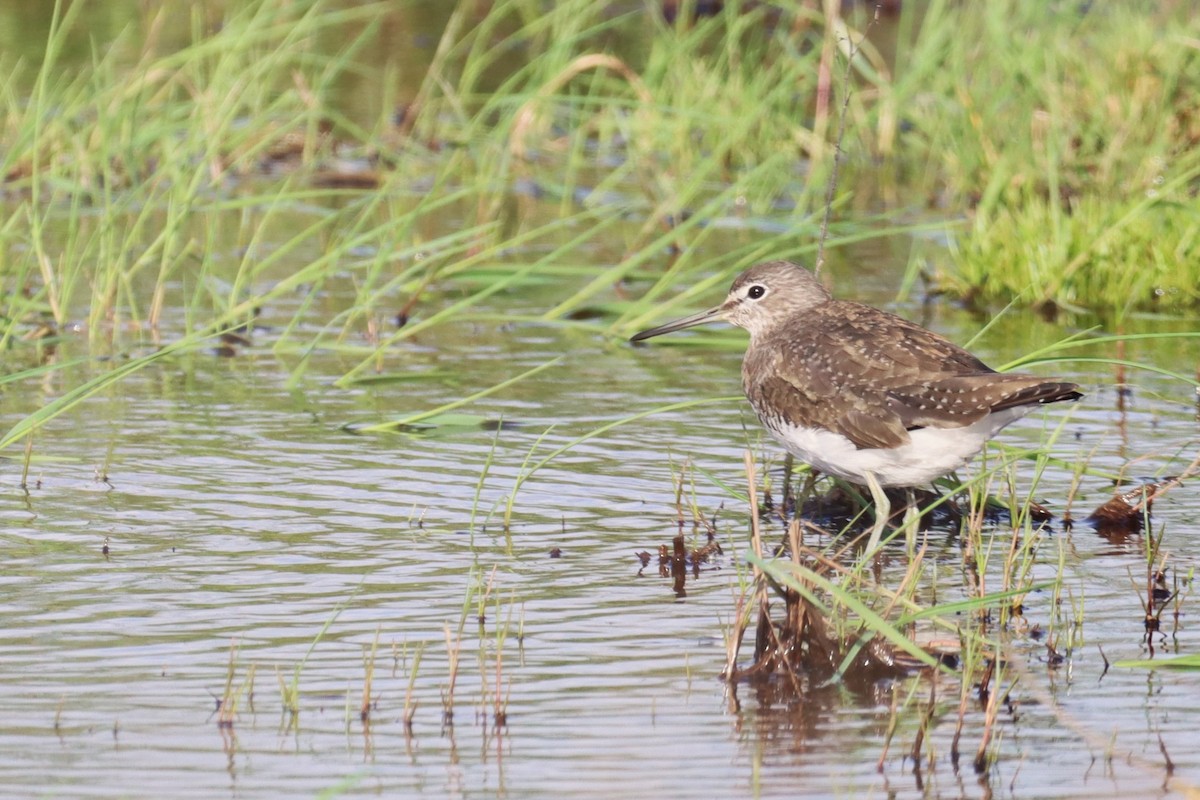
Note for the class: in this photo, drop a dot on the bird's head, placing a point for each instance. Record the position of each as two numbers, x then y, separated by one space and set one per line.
761 298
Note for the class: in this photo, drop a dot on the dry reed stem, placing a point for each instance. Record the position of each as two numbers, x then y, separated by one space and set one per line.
25 463
526 117
734 643
924 727
487 592
755 533
991 712
831 13
834 26
500 708
758 588
433 75
364 711
453 645
410 707
964 698
893 722
679 496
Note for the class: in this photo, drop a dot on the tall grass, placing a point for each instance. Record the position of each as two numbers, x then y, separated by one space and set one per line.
140 209
164 196
1068 134
135 172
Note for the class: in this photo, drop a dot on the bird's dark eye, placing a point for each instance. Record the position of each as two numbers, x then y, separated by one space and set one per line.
756 292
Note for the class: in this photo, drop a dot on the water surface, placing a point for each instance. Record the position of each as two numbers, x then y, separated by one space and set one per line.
215 516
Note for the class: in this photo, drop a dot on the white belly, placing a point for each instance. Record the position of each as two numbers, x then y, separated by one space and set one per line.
931 453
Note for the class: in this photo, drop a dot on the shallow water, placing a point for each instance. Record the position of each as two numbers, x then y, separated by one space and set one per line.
211 516
240 513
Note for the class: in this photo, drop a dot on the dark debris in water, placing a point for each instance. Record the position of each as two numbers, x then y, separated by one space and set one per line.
484 425
229 344
1128 512
445 424
587 313
840 508
803 646
676 561
347 179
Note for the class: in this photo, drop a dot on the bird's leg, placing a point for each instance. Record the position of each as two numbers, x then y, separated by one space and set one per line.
912 519
789 499
810 482
913 511
883 510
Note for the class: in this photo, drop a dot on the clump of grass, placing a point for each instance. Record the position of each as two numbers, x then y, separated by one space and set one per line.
1069 133
289 699
501 688
840 623
369 700
410 704
815 636
1107 253
1049 100
234 692
691 122
453 654
289 691
155 149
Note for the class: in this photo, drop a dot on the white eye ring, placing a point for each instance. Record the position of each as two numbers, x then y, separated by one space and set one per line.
756 292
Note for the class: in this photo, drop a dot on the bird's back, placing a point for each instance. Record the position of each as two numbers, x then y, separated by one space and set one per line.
873 377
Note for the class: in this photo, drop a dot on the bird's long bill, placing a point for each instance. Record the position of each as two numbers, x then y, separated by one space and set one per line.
712 315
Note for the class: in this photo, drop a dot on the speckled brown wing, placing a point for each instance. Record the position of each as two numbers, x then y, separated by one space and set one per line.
865 420
833 369
1040 391
872 377
882 349
964 399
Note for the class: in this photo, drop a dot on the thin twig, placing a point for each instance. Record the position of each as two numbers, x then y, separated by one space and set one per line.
1162 746
837 147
